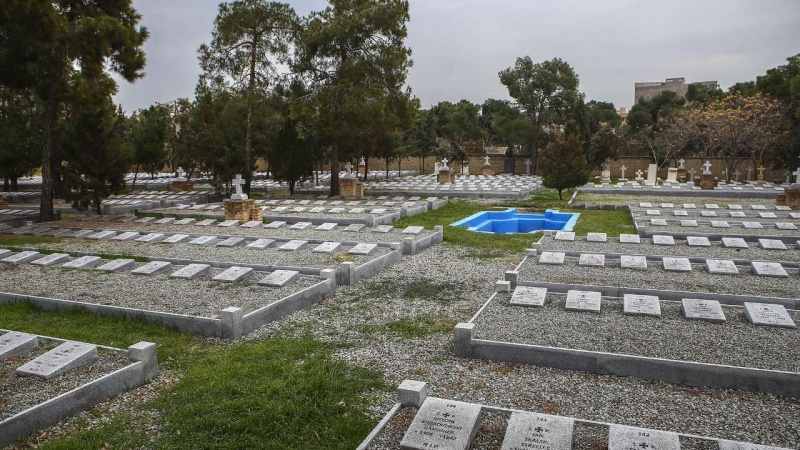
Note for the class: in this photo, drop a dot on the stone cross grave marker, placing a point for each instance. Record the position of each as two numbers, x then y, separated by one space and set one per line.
528 296
768 314
796 174
637 262
681 163
583 301
622 171
486 161
59 360
445 424
531 430
701 309
238 182
279 278
692 173
14 344
444 164
641 305
639 174
707 168
625 438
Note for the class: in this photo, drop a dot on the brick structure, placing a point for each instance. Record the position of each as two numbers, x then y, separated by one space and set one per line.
487 170
445 177
3 203
780 200
707 181
792 194
256 213
182 186
351 187
241 210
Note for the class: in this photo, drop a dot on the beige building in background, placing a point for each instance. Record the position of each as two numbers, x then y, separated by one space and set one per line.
649 90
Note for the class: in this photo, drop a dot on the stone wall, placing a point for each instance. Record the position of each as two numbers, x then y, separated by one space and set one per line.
632 164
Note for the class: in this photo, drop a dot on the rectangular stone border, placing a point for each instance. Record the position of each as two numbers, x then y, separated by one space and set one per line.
143 368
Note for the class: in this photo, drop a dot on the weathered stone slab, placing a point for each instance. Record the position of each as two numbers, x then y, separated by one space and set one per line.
151 237
738 207
327 247
105 234
767 215
145 220
382 229
61 359
785 226
629 239
442 424
737 214
565 236
204 240
596 237
527 431
252 224
362 249
378 211
722 267
206 223
327 226
293 245
275 224
711 206
354 227
769 269
653 212
734 242
317 210
705 213
152 268
84 262
232 242
191 271
626 438
126 236
51 259
551 258
260 243
700 309
413 230
752 225
637 262
731 445
228 223
15 343
232 274
300 226
176 238
767 314
660 239
771 244
658 222
641 305
689 223
117 265
667 205
165 221
698 241
186 221
21 257
673 264
720 224
591 259
583 301
279 278
680 213
528 296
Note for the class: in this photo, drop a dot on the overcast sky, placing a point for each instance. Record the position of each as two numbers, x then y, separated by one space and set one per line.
459 46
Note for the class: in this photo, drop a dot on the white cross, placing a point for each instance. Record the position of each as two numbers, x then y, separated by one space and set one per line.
362 162
486 161
238 182
622 169
796 174
639 174
761 172
349 167
691 171
444 163
707 167
681 162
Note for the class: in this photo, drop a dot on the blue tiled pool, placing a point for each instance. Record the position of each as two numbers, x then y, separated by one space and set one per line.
510 221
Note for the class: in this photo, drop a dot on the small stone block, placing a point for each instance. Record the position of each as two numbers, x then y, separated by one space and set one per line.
21 257
720 224
767 314
502 286
126 236
624 438
117 265
583 301
150 237
152 268
722 267
191 271
14 344
327 226
260 243
413 230
442 424
327 247
232 274
708 310
659 239
232 242
565 236
528 296
412 393
354 227
629 239
591 259
641 305
771 244
551 258
204 240
596 237
206 223
51 259
637 262
734 242
538 431
84 262
61 359
279 278
362 249
382 229
769 269
176 238
698 241
673 264
292 245
731 445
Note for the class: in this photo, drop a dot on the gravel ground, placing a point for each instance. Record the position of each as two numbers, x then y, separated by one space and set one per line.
716 251
708 229
655 277
199 297
620 199
735 343
20 393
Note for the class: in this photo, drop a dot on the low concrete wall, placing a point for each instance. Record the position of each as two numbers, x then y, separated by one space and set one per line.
370 268
288 305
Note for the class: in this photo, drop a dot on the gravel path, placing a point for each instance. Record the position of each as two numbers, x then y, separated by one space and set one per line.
198 297
20 393
655 277
735 343
646 247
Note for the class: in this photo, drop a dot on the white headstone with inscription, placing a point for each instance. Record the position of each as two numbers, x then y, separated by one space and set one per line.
442 424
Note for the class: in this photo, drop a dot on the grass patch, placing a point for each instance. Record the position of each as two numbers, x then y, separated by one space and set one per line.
610 222
13 240
421 326
427 289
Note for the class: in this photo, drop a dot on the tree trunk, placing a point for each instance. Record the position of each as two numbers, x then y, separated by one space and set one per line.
135 176
48 129
334 170
387 169
249 127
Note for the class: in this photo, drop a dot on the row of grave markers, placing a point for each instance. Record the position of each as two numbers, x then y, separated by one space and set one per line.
725 224
275 224
647 205
692 241
732 214
61 359
766 314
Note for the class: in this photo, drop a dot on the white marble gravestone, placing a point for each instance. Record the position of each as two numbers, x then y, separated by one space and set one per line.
674 264
260 243
700 309
528 431
153 268
596 237
232 242
293 245
362 249
564 236
626 438
722 267
442 424
660 239
21 257
176 238
51 259
327 226
327 247
84 262
551 258
66 356
279 278
15 343
769 269
768 314
232 274
637 262
117 265
191 271
592 259
528 296
771 244
698 241
641 305
150 237
413 230
729 242
583 301
204 240
629 239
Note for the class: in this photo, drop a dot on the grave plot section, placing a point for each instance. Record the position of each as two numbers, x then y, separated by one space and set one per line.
48 379
420 422
469 186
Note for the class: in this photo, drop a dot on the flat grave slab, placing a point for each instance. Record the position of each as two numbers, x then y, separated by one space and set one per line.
21 257
126 236
698 241
596 237
641 305
722 267
752 225
771 244
660 239
300 226
700 309
191 271
730 445
204 240
61 359
769 269
279 278
362 249
565 236
117 265
734 242
551 258
176 239
442 424
150 237
260 243
232 274
770 315
105 234
51 259
720 224
637 262
680 213
84 262
228 223
689 223
737 214
382 229
153 268
592 259
583 301
354 227
630 239
15 343
327 247
673 264
414 229
327 226
658 222
186 221
528 296
145 220
626 438
293 245
252 224
708 213
527 431
165 221
275 224
207 222
785 226
232 242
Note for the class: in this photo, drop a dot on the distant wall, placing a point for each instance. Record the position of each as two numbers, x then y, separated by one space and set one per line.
632 164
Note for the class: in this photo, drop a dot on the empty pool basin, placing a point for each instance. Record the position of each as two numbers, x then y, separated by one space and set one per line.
510 221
